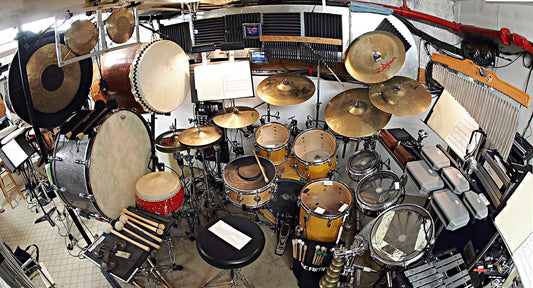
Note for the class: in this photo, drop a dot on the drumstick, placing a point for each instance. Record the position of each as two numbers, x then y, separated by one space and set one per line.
99 104
119 226
317 250
300 250
260 167
149 227
109 229
124 219
153 223
294 248
110 105
304 254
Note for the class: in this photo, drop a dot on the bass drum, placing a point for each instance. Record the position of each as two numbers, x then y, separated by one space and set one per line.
98 174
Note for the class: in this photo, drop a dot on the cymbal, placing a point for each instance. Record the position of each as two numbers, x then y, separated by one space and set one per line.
81 37
200 137
375 57
400 96
351 114
168 142
285 89
236 117
120 25
52 88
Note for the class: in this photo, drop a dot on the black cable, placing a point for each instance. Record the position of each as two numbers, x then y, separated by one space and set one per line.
503 66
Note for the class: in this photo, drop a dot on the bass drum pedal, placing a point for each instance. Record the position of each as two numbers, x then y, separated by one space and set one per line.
283 235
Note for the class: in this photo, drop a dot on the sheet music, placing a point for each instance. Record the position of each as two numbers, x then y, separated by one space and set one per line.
14 153
223 81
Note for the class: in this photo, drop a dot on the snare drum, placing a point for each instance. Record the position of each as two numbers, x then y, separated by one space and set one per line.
97 174
377 192
272 142
315 150
159 192
363 163
245 184
323 204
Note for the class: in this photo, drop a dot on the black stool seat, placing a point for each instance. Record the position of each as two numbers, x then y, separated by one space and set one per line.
220 254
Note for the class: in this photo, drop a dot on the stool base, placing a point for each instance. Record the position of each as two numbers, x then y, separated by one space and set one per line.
236 275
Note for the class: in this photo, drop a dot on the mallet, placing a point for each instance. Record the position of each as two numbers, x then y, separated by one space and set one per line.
153 223
107 228
119 226
159 231
124 219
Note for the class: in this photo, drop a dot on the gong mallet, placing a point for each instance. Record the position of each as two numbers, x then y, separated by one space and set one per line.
110 105
159 231
99 104
260 166
119 226
107 228
124 219
139 217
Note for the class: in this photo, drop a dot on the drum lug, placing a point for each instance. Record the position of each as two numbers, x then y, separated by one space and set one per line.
329 162
257 198
240 198
86 163
54 158
329 222
86 196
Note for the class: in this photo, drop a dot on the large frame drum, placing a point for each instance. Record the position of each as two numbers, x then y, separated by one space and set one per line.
377 192
245 184
363 163
98 174
272 142
323 204
315 150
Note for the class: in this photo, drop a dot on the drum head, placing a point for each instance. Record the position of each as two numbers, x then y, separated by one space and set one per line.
363 161
326 198
378 191
272 135
243 174
119 157
157 186
285 201
400 234
315 146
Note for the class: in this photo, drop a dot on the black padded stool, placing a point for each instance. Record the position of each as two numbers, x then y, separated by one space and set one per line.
218 253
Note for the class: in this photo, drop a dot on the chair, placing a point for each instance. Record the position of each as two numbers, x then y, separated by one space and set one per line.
10 186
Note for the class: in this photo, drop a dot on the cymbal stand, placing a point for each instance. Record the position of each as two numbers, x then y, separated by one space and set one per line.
190 210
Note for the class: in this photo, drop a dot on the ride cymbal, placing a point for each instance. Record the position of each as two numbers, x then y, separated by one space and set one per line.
81 37
400 96
285 89
200 137
236 117
351 114
120 25
168 142
375 57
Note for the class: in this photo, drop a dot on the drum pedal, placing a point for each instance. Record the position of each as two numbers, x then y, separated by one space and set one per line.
283 235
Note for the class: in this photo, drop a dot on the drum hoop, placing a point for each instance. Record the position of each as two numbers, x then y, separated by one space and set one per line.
315 163
271 183
419 255
285 145
385 205
329 217
250 206
250 192
153 198
365 171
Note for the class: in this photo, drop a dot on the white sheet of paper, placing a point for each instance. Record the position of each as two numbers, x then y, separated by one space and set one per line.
523 259
229 234
14 152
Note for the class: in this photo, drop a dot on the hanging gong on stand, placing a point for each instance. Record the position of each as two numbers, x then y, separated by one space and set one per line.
120 25
81 37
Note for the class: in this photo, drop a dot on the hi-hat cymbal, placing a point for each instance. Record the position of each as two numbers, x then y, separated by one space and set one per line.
200 137
236 117
285 89
120 25
351 114
400 96
168 142
375 57
81 37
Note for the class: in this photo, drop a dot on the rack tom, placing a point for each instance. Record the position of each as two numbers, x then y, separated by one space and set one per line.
363 163
377 192
315 151
272 142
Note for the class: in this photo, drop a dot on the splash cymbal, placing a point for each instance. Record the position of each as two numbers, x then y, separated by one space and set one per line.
375 57
351 114
400 96
120 25
200 137
236 117
285 89
168 142
81 37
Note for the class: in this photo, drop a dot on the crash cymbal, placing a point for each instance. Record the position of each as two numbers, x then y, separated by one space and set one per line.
375 57
120 25
236 117
200 137
168 142
81 37
400 96
351 114
285 89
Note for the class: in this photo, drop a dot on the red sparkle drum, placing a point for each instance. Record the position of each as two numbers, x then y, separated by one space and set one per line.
159 192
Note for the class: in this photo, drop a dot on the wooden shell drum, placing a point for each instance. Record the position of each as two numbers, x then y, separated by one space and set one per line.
245 184
362 163
152 77
159 192
377 192
288 169
272 142
98 174
323 205
315 150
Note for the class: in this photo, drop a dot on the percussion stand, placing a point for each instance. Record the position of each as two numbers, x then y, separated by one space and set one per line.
192 213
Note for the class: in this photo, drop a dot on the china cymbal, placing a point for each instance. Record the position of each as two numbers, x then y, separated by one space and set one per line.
351 114
120 25
236 117
200 137
400 96
375 57
168 142
285 89
81 37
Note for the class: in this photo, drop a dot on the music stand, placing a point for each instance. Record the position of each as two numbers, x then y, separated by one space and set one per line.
16 152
